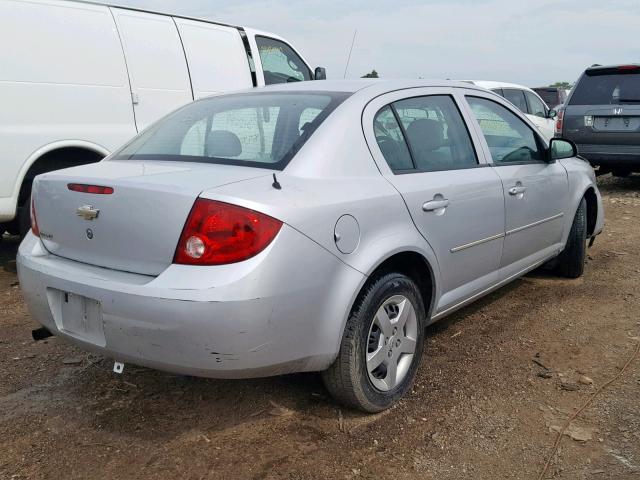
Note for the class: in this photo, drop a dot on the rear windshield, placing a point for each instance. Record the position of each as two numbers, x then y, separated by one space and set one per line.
254 129
607 89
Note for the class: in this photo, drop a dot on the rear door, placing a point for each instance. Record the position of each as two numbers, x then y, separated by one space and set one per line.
156 63
216 56
424 149
536 192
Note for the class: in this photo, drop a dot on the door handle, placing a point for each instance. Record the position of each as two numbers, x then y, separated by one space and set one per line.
517 190
435 205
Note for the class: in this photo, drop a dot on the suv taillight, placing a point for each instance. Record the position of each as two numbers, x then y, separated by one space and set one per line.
218 233
34 221
559 121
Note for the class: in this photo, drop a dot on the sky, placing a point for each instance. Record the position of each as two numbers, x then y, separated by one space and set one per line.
531 42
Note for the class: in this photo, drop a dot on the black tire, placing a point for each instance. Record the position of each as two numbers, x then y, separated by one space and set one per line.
23 218
348 379
571 260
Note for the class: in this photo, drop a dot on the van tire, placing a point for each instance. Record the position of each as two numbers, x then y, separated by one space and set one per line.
571 260
23 218
348 379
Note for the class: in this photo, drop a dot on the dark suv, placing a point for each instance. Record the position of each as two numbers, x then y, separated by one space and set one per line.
602 116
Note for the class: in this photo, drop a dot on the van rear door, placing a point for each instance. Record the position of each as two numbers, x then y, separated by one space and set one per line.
216 55
157 67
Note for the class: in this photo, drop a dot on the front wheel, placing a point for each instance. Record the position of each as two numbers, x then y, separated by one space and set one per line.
571 260
381 346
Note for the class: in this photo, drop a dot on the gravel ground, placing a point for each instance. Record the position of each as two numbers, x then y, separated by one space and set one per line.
483 407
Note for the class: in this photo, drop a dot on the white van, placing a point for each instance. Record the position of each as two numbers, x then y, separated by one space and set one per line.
78 79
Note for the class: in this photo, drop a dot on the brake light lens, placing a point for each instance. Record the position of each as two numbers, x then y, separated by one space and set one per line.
95 189
218 233
559 122
34 221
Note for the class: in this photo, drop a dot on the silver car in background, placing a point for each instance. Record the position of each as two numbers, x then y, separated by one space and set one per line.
307 227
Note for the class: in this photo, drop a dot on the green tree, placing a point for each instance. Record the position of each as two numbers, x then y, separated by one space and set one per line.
565 85
372 74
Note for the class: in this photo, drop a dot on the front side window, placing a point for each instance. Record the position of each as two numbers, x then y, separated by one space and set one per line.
516 97
256 129
280 63
536 107
434 131
510 139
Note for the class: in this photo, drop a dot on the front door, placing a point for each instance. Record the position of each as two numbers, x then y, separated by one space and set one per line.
454 199
535 190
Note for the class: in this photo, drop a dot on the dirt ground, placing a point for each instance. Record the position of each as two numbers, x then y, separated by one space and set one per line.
481 407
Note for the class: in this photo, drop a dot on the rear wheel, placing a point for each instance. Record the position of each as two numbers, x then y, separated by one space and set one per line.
571 260
381 346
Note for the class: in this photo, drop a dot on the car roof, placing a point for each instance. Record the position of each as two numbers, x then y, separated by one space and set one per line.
489 84
378 85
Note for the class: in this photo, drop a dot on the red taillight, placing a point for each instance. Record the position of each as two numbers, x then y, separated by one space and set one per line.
628 67
217 233
559 118
96 189
34 220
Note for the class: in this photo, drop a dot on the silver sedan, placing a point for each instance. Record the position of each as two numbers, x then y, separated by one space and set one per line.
311 227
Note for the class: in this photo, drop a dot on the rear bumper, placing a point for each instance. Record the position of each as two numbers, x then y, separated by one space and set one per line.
615 156
281 312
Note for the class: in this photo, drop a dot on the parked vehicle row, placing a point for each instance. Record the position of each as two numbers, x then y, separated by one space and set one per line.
317 226
80 79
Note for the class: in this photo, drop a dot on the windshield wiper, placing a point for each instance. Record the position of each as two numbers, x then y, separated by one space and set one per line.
629 100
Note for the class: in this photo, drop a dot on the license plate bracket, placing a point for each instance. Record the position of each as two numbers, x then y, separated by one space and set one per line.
77 316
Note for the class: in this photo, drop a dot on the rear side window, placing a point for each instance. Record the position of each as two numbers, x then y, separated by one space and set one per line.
255 129
516 97
611 89
509 138
433 130
536 106
280 63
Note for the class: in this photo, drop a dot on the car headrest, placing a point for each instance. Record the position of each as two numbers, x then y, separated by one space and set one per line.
425 134
222 143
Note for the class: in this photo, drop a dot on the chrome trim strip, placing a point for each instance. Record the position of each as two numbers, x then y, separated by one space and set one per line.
477 242
539 222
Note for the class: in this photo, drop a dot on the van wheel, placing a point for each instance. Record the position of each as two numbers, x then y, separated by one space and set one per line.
571 260
23 218
381 346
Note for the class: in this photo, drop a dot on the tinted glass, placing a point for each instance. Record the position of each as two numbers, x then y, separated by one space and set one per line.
437 136
391 140
280 63
607 90
256 129
549 95
516 97
536 106
510 139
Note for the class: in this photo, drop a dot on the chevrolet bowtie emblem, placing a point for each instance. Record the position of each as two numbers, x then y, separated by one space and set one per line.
88 212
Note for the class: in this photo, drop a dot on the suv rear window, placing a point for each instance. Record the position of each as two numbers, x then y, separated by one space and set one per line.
608 89
254 129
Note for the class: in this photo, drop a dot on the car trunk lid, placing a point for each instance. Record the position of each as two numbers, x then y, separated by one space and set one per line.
136 227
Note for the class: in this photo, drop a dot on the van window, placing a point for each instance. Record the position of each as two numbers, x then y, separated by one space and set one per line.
280 63
253 129
536 107
516 97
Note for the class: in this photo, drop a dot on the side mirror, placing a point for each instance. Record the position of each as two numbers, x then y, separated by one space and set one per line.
560 148
320 73
552 114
